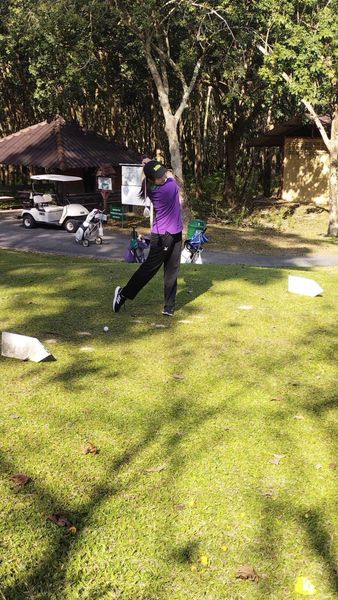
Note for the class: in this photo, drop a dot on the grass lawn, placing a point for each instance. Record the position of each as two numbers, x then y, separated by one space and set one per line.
190 416
275 232
271 231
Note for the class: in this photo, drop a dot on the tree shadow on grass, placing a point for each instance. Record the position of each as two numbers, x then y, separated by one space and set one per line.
47 578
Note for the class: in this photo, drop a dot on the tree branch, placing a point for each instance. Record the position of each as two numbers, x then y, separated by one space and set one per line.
306 103
187 90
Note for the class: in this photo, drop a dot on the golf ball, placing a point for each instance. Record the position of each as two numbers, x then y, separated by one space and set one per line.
106 328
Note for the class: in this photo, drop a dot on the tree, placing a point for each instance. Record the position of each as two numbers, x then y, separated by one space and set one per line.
304 41
175 37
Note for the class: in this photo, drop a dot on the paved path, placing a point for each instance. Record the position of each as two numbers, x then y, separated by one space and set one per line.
57 241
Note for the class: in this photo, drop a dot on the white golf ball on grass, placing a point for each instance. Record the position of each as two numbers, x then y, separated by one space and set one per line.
106 328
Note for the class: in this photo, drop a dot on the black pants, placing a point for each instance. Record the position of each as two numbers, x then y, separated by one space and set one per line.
164 250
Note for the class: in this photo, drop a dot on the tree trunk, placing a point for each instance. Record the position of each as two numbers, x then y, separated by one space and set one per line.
171 125
174 145
333 188
333 177
266 172
198 147
229 190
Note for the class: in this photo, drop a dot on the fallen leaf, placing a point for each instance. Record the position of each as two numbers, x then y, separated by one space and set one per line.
178 377
204 560
20 479
180 506
276 459
318 466
299 417
269 493
15 417
72 530
333 466
276 399
90 449
156 469
304 587
193 568
158 325
60 519
225 548
247 572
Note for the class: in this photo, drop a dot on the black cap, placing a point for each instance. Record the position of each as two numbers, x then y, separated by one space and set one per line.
154 170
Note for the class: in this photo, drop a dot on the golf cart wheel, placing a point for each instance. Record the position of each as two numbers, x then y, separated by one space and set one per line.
28 221
71 226
85 243
98 241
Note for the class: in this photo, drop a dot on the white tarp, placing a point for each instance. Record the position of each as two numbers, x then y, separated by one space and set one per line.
304 286
23 347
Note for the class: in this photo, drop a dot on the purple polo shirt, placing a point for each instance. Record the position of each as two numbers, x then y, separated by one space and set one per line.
167 207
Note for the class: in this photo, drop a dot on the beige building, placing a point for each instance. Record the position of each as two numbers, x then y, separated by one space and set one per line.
305 171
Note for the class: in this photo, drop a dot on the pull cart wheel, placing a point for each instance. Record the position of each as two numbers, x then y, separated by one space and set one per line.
98 241
85 243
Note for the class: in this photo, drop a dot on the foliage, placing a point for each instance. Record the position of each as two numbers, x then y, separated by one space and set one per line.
87 60
304 43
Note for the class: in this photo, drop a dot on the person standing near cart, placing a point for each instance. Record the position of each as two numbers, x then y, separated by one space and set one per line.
165 239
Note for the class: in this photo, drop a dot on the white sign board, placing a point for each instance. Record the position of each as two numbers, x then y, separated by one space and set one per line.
132 176
105 183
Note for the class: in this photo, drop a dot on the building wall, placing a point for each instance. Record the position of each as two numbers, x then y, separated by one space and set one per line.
305 171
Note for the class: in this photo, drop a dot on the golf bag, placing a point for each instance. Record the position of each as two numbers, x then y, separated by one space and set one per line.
138 244
91 229
193 248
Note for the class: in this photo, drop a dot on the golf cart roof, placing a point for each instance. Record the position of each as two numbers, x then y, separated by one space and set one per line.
49 177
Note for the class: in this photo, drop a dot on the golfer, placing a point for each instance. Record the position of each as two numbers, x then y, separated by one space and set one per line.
165 239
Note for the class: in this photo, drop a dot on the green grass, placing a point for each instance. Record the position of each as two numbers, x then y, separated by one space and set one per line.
212 396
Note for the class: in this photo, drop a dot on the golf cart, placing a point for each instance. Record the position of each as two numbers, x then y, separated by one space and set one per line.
49 206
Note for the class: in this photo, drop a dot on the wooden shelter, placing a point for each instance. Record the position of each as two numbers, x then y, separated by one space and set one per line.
305 176
64 147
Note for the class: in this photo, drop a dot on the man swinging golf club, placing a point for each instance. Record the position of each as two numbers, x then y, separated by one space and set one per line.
165 240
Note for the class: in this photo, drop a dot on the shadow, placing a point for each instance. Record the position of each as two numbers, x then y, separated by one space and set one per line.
187 553
135 395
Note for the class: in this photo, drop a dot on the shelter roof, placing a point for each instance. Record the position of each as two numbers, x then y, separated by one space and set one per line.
57 144
295 127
